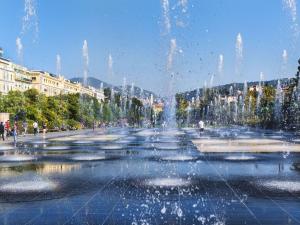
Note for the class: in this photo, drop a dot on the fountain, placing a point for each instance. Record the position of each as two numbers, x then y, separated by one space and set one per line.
19 50
291 6
278 102
58 64
85 55
110 64
166 16
30 19
239 53
170 104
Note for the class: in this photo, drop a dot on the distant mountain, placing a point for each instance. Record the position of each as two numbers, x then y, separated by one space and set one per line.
96 83
225 89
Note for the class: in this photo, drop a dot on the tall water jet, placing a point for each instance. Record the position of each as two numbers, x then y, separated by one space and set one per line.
112 95
211 83
259 92
141 92
166 16
231 91
110 64
172 51
19 46
151 100
291 6
284 62
170 107
85 55
132 90
30 18
221 65
124 96
245 89
278 102
239 53
58 64
189 108
101 86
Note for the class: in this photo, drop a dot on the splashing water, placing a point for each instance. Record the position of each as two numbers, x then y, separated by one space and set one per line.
19 49
30 19
58 64
85 55
166 15
184 5
172 51
167 182
292 7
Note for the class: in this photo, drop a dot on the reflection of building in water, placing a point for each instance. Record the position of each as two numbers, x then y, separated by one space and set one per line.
57 168
7 172
42 169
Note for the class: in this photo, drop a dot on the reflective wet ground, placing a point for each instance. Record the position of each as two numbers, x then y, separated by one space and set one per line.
151 176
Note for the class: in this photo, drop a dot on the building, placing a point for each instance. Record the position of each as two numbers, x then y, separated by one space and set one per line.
14 77
6 76
21 77
47 83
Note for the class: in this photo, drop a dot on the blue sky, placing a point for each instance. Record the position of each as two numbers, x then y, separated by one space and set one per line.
132 31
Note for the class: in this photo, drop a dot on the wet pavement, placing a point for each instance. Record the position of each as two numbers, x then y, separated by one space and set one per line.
151 176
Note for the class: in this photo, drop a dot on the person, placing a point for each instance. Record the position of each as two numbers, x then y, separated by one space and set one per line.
25 127
15 132
44 125
2 129
7 128
201 126
35 128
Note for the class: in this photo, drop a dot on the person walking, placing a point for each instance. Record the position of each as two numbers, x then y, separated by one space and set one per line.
7 128
201 126
35 128
44 125
25 127
2 129
15 132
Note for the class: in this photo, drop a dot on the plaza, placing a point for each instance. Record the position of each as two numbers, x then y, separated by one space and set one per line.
150 176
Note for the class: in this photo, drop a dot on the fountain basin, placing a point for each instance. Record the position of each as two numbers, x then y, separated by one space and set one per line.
281 185
28 186
167 182
17 158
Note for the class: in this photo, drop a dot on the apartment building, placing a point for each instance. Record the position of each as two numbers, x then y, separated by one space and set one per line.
14 77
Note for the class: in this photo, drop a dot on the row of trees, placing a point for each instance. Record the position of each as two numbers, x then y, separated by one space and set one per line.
71 111
265 106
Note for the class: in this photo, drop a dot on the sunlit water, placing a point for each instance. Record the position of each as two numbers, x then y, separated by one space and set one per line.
153 176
